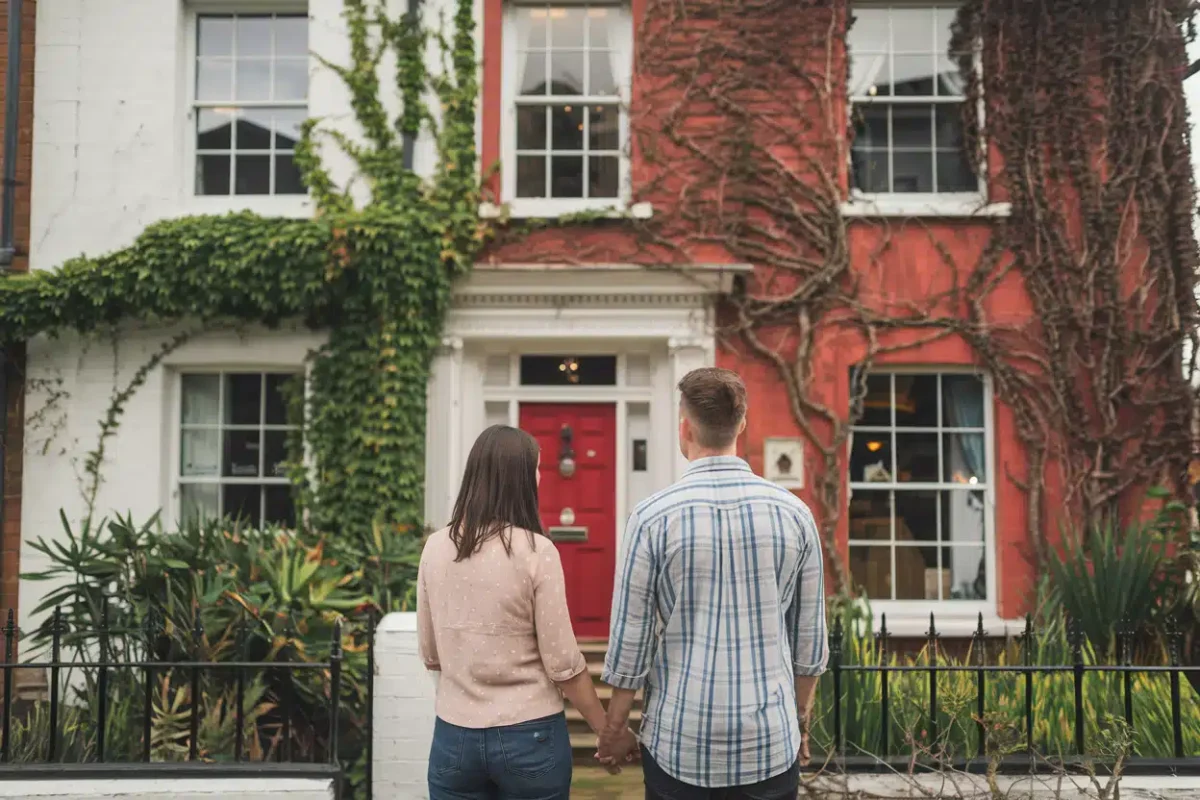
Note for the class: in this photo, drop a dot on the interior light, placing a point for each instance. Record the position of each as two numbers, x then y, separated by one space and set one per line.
558 13
597 12
874 447
973 480
537 13
567 109
562 367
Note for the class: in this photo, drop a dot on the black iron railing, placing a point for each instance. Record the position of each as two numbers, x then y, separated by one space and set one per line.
84 686
878 678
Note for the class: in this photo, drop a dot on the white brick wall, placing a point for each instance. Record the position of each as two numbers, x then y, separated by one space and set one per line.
404 711
167 789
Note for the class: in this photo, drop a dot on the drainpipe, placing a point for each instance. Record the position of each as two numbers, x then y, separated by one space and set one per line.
12 90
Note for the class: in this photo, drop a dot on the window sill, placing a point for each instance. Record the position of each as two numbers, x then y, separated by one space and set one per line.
296 206
555 209
952 621
968 206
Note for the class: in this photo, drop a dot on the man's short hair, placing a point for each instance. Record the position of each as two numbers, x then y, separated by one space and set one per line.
715 403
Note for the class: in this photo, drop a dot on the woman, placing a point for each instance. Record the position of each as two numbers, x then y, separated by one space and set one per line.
492 618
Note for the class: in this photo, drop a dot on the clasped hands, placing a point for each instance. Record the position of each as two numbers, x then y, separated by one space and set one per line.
616 746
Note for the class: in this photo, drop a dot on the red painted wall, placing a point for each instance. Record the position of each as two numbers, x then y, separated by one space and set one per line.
894 262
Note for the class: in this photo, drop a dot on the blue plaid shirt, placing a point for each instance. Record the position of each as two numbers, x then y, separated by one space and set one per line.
719 603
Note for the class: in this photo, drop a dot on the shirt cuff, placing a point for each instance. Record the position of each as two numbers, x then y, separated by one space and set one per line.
808 670
564 675
619 681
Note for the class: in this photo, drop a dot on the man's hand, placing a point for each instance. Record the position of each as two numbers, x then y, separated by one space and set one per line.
617 746
804 756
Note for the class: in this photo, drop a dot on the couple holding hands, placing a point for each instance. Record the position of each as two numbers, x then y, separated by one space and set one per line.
718 617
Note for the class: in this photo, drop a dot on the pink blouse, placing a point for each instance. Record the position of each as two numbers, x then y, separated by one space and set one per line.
497 628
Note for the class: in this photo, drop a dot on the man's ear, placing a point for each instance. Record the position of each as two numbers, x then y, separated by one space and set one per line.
742 427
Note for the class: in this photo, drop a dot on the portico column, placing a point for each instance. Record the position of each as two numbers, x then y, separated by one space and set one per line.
443 437
686 354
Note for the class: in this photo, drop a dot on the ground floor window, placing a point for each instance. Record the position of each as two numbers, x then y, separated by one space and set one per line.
920 488
233 447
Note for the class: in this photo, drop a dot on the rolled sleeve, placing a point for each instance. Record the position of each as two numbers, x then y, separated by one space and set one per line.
631 636
557 646
426 638
806 615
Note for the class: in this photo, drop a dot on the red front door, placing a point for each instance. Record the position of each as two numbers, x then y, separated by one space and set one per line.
579 511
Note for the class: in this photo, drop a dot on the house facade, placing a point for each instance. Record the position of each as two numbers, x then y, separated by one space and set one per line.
146 110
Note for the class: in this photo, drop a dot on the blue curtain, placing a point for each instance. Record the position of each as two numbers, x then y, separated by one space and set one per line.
963 399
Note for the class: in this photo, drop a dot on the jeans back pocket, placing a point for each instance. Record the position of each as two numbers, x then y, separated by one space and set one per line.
445 755
530 751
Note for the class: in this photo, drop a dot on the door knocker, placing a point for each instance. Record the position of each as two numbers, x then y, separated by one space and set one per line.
566 453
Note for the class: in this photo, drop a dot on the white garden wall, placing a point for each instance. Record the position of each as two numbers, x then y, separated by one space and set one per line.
404 711
171 789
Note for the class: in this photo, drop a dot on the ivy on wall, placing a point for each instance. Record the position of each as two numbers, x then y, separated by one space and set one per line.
375 275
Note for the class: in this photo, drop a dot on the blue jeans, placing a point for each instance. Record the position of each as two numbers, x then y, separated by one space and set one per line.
527 761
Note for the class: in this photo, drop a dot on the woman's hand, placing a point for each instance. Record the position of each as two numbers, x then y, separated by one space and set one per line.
616 747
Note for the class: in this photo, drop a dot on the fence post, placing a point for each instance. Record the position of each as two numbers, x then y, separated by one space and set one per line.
1175 646
335 689
1125 646
932 656
884 674
1075 637
980 684
10 631
1027 658
194 722
151 632
102 684
835 655
56 629
239 649
285 750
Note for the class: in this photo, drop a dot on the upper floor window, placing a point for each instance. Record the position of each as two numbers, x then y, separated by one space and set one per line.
565 88
251 96
907 96
920 488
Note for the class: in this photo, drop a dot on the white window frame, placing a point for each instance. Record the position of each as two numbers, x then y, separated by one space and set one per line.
175 397
546 208
894 204
958 617
298 206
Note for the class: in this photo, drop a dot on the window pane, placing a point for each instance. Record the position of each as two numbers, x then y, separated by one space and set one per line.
967 570
871 126
948 125
916 516
243 399
566 72
253 80
291 79
917 457
213 130
568 371
199 501
871 458
913 172
253 36
212 175
871 571
566 27
291 36
877 405
962 517
214 80
286 123
913 75
599 21
566 127
280 509
275 457
566 174
253 175
943 29
531 176
243 503
241 454
869 30
870 75
201 399
603 176
955 173
912 30
917 573
912 126
278 385
287 176
600 75
214 36
871 515
531 127
962 401
253 129
964 458
870 170
603 128
200 453
950 80
917 401
533 73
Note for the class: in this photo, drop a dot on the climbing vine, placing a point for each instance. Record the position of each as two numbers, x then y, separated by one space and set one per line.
376 275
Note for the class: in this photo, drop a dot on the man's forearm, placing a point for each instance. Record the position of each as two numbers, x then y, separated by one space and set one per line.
806 692
619 708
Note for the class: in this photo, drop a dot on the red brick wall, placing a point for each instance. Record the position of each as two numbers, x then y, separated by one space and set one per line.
10 524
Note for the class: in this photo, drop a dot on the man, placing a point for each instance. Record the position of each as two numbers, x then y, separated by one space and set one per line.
719 614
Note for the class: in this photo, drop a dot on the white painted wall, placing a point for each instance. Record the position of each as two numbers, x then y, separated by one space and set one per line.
404 711
171 789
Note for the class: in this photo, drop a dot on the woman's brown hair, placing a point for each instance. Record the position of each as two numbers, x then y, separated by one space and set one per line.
499 491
